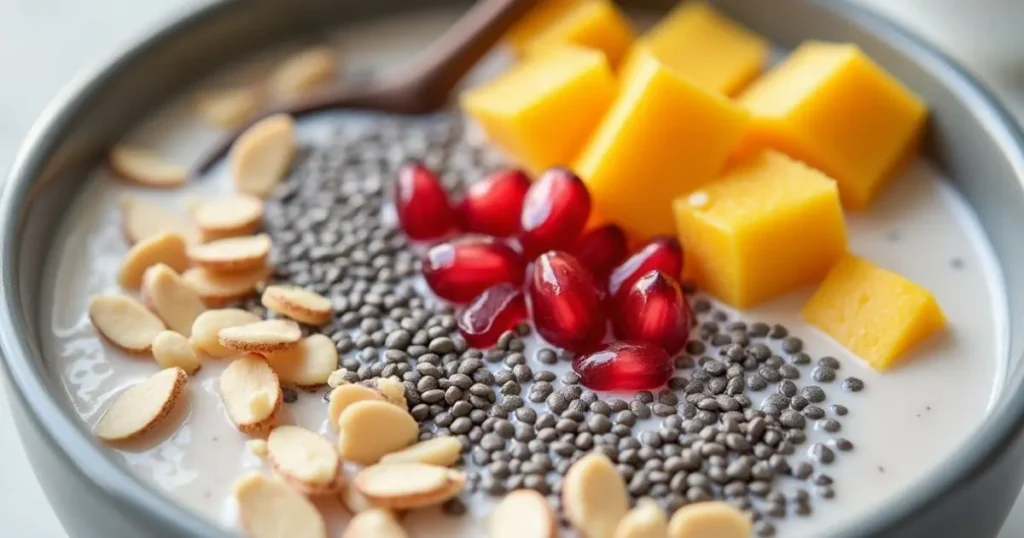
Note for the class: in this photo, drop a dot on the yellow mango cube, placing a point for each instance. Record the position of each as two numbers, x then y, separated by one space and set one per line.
830 106
706 47
543 110
875 313
539 19
769 226
595 24
662 137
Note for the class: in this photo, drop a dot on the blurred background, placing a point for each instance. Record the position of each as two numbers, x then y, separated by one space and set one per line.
44 43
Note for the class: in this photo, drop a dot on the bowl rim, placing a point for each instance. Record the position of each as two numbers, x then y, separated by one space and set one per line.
27 379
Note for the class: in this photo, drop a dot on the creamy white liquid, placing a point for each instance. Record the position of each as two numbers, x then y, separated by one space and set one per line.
903 425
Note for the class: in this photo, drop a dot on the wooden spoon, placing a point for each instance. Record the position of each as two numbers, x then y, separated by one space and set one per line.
423 87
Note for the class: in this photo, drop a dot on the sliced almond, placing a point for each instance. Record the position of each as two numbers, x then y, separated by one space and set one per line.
374 523
392 389
299 304
524 513
714 519
232 254
408 485
646 519
140 407
368 430
142 220
262 156
443 451
222 289
171 349
146 168
594 496
251 394
308 364
337 378
207 326
303 73
346 395
171 298
354 501
304 460
125 322
166 248
228 108
268 508
228 216
267 336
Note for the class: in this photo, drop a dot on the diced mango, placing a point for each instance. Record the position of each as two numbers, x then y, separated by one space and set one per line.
705 46
663 137
543 110
830 106
539 19
873 312
769 226
595 24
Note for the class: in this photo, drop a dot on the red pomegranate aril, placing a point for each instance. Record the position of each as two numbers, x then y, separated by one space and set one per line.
496 310
564 303
624 366
494 206
555 211
601 249
424 211
461 269
653 310
662 253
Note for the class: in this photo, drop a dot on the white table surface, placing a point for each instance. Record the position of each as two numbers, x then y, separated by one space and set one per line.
45 42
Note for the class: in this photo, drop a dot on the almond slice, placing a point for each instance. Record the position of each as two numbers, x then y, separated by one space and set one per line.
262 156
644 520
409 485
392 389
299 304
269 509
228 108
524 513
261 337
303 73
222 289
166 248
374 523
304 460
141 220
124 322
443 451
232 254
228 216
251 394
345 395
352 500
206 327
140 407
594 496
713 519
368 430
308 364
171 298
171 349
146 168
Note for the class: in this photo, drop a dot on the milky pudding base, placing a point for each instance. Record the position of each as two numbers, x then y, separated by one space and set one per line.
904 424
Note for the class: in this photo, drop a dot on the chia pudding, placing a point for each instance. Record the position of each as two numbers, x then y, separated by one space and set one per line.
761 410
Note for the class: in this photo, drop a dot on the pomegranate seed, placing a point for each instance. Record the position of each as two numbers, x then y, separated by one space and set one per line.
662 253
654 310
625 366
496 310
494 206
555 211
460 270
601 249
422 203
565 304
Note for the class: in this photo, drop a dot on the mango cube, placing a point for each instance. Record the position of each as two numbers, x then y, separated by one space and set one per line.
539 19
663 137
830 106
769 226
595 24
543 111
706 47
873 312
